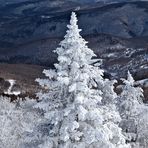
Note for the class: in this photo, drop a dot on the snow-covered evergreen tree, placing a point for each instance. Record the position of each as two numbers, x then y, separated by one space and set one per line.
109 101
72 104
130 108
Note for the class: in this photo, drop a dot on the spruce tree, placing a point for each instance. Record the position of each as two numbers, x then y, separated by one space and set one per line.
76 113
130 107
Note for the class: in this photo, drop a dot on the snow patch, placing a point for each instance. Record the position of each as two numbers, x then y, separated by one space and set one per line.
9 91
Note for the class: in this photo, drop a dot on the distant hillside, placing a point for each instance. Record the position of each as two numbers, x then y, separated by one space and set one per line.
31 20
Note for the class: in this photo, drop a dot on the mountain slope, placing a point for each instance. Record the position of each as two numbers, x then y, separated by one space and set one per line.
32 20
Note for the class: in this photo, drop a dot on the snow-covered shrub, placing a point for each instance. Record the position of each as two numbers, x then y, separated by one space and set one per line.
142 129
15 119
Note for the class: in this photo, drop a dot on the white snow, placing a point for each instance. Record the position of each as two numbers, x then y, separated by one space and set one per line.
9 91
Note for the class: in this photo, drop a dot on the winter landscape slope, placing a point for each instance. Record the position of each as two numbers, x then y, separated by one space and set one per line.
116 30
28 21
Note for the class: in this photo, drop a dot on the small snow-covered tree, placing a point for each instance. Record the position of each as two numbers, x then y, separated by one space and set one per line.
109 101
72 104
130 108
